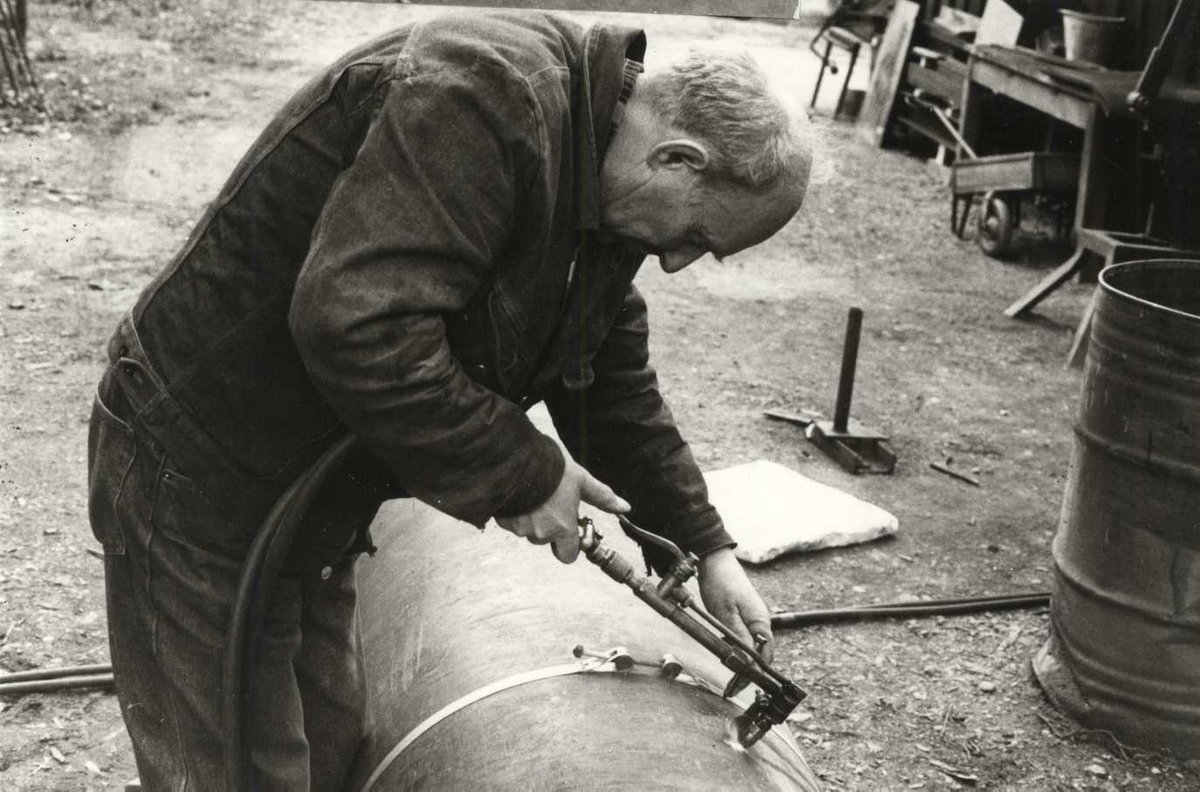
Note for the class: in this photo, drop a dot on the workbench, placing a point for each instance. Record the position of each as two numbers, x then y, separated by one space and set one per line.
1036 82
1088 98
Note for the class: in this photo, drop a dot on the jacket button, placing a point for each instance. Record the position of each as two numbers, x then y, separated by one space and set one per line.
326 572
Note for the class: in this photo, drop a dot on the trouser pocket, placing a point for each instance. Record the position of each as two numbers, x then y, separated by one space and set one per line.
111 449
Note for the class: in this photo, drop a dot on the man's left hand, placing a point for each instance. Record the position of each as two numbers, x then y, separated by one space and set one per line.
729 596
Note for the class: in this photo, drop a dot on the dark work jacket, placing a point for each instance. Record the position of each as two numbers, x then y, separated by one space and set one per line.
392 257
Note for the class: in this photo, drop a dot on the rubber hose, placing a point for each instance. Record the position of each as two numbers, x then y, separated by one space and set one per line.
261 569
911 609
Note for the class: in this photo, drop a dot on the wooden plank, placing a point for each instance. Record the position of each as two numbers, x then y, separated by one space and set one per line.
954 68
1031 170
1005 172
921 122
889 68
1036 92
762 9
1057 277
935 81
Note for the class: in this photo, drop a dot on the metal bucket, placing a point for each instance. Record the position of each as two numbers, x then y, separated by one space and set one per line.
468 641
1090 37
1124 646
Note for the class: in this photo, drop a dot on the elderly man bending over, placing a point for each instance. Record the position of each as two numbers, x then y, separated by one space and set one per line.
436 233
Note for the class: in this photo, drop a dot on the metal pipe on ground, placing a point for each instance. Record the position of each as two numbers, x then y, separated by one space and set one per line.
56 684
55 673
910 609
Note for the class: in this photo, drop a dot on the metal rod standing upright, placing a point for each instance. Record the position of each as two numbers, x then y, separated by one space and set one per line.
841 411
8 69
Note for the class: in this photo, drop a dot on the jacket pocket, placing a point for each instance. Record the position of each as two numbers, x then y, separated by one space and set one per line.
111 450
509 361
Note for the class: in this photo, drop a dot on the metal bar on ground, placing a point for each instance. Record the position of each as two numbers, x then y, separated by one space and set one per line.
911 609
55 673
54 685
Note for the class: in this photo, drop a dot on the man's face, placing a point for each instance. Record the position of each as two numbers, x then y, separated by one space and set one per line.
673 213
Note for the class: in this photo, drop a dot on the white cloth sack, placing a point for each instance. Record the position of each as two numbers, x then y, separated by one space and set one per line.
770 510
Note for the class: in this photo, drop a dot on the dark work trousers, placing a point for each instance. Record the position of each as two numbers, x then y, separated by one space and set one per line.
176 522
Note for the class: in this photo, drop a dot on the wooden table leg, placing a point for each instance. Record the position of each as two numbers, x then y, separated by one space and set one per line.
1091 200
1060 275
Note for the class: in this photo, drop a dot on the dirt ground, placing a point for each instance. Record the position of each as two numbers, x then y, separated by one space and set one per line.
154 101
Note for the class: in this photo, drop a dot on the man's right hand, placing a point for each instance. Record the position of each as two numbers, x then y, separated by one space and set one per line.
557 520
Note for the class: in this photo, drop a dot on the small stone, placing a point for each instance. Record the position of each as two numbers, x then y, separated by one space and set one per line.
58 755
1097 770
987 687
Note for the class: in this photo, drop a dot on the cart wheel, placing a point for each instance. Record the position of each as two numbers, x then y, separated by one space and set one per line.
995 229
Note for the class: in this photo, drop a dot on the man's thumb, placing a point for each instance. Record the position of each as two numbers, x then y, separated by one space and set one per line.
596 493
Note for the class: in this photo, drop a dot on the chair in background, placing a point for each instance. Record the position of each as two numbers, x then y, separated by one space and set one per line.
851 26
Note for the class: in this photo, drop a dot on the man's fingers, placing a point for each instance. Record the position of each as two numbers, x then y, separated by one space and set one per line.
767 640
760 632
598 494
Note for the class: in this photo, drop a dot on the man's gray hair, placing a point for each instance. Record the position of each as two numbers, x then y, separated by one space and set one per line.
722 98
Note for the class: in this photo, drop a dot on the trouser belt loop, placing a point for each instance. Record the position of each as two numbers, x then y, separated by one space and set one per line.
142 385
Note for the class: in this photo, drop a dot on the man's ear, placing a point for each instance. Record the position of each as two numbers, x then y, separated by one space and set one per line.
681 153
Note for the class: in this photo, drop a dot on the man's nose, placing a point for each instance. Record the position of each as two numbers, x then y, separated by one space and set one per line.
677 260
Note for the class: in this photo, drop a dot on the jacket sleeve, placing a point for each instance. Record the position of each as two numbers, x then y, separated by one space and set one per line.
621 430
410 231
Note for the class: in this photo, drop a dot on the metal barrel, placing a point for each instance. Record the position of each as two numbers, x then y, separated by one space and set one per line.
1124 646
468 642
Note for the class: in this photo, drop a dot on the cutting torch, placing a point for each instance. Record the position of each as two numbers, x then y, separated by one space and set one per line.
776 697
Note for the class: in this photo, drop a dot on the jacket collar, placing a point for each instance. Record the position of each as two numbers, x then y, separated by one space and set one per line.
601 77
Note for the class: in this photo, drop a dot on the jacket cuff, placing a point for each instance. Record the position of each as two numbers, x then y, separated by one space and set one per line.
543 471
710 539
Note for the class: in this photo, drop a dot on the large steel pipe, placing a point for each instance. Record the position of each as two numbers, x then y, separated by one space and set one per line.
468 641
1124 648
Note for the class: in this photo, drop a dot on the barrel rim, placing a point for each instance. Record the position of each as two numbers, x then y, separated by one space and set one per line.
1147 264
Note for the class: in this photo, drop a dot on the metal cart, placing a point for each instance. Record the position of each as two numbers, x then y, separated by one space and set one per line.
1004 180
